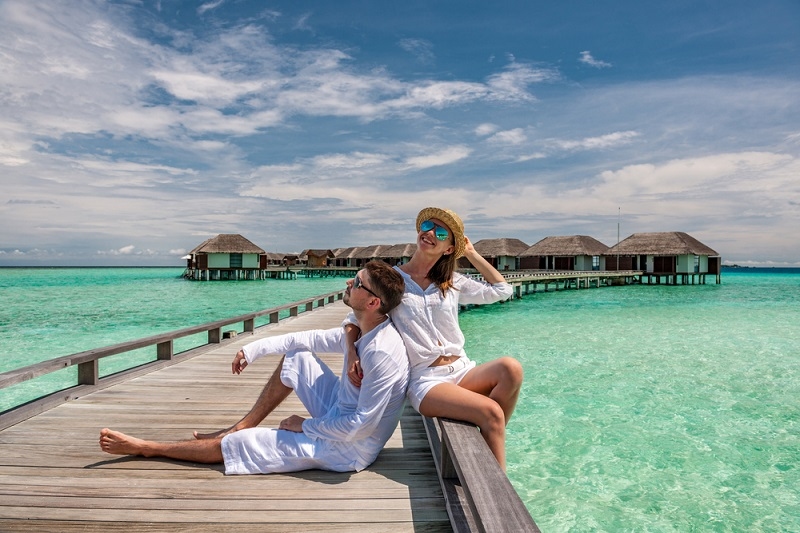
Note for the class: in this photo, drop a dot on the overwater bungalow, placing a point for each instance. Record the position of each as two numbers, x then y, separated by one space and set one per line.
316 258
571 252
501 253
291 259
671 256
399 253
366 254
273 259
225 257
343 257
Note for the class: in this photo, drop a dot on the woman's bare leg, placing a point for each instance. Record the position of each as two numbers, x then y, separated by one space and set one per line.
197 451
452 401
500 380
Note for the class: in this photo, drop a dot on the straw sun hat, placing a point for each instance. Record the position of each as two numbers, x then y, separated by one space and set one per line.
451 220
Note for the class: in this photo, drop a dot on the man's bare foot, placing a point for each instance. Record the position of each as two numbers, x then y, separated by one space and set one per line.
215 434
118 443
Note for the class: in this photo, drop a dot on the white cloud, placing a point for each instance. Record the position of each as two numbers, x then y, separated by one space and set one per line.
203 86
586 57
595 143
486 129
531 157
151 137
125 250
513 137
512 84
443 157
208 6
759 174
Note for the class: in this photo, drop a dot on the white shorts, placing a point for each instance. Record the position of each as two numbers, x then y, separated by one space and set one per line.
266 450
423 381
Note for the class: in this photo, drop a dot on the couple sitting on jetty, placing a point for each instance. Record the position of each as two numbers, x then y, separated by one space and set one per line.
401 339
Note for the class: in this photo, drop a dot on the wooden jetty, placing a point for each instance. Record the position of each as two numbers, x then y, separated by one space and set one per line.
529 281
54 477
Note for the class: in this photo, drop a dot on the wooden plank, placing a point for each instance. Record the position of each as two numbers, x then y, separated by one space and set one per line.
78 526
462 516
54 477
495 504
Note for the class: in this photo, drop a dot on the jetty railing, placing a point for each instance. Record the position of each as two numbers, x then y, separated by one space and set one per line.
478 495
88 376
527 281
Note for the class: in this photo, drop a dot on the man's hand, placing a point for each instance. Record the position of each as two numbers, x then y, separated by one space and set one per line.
293 423
239 363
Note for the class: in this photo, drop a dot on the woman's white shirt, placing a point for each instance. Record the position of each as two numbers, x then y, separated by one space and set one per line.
428 321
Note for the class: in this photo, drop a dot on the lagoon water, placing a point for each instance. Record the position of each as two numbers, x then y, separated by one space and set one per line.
644 408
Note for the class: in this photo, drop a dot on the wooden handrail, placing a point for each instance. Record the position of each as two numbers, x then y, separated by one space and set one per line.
478 495
87 360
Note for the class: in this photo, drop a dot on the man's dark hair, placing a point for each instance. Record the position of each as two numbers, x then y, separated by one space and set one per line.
387 282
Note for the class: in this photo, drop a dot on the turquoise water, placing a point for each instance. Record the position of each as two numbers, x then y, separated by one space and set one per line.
50 312
654 408
644 408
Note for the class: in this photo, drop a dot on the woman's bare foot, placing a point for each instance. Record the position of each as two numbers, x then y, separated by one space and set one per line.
118 443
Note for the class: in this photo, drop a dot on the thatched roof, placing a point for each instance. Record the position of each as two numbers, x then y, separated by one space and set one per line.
317 253
346 253
370 252
500 247
399 250
566 246
666 243
227 243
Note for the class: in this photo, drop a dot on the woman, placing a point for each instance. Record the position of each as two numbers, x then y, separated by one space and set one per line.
444 381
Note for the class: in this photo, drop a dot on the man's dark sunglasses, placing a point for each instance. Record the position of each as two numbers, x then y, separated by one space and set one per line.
357 283
441 233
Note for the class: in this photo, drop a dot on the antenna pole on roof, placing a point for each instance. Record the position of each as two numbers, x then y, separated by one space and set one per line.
618 214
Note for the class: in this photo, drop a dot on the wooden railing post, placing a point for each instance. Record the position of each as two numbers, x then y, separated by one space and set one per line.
89 372
249 325
164 350
214 336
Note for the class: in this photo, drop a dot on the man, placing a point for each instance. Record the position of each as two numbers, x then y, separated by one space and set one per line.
349 425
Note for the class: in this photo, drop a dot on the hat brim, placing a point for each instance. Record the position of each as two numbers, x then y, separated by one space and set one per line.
451 220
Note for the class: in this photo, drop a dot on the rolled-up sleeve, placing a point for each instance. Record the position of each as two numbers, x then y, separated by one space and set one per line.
472 291
316 340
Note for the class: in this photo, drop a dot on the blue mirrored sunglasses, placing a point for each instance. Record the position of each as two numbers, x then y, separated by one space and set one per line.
441 233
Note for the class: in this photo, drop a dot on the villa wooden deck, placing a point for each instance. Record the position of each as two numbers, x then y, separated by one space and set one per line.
53 476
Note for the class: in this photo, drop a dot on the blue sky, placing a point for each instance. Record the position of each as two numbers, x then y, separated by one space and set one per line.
132 131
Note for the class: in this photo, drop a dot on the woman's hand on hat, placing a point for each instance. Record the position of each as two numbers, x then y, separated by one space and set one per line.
468 248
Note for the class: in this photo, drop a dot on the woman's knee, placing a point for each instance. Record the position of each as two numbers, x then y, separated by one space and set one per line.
512 371
494 417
